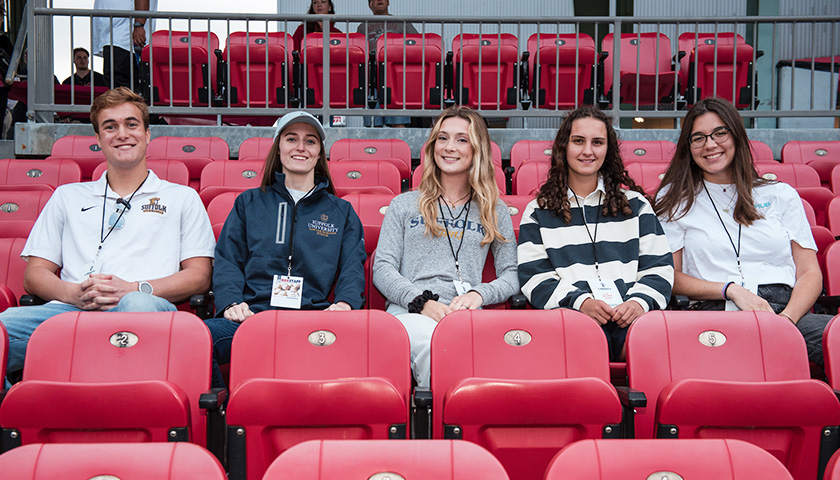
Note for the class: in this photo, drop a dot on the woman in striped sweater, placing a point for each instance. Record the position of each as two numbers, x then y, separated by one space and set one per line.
587 242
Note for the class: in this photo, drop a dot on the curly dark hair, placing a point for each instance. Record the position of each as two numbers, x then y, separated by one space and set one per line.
553 194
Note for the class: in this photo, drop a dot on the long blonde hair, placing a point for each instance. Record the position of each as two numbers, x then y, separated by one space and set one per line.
482 178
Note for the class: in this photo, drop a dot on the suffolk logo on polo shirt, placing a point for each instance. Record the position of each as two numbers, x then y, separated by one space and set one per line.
154 206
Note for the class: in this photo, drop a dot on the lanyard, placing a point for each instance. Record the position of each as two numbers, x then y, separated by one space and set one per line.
586 225
456 253
294 222
736 249
126 206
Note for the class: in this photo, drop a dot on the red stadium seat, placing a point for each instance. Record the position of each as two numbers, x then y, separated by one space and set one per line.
523 415
794 174
383 459
527 150
371 210
647 175
822 155
818 197
832 216
195 152
716 65
561 69
260 65
392 150
112 377
761 152
4 343
516 206
645 68
7 297
809 212
230 176
164 461
410 70
530 176
173 171
182 67
255 148
219 209
365 176
48 172
12 268
653 151
736 375
486 70
707 459
831 353
348 61
823 238
19 209
83 150
832 470
831 275
299 376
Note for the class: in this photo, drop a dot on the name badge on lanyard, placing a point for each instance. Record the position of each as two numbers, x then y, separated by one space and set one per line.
286 291
605 291
751 286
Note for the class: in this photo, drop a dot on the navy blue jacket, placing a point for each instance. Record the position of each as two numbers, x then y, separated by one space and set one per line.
257 236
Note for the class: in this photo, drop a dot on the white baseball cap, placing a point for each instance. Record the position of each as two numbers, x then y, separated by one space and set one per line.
299 117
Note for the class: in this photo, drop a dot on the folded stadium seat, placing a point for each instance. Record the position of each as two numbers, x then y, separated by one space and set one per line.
831 275
371 208
701 459
818 197
11 269
348 61
255 148
365 176
298 375
495 153
114 377
382 459
645 69
530 176
522 385
19 209
195 152
166 169
810 213
260 69
823 238
164 461
516 206
393 150
649 151
486 70
647 175
717 65
524 151
410 73
834 180
831 352
182 67
561 70
84 150
219 209
822 155
33 171
794 174
762 153
735 375
230 176
832 216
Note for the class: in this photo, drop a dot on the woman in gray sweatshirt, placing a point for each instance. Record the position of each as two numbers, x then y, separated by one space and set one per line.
434 240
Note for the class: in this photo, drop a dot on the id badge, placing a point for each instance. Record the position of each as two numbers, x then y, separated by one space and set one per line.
286 291
605 291
462 287
751 286
95 265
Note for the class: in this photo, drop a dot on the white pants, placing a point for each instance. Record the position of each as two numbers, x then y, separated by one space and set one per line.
419 328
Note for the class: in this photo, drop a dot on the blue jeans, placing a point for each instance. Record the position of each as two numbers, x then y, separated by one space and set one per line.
20 322
222 330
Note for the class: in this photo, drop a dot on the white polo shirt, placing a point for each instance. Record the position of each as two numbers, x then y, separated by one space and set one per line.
166 224
123 27
766 254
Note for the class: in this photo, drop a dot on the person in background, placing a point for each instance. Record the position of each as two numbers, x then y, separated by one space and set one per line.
84 75
115 39
590 240
316 7
740 242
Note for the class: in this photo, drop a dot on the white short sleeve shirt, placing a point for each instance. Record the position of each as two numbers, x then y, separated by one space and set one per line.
122 27
166 224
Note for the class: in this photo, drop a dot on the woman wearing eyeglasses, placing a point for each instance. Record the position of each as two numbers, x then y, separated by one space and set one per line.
739 241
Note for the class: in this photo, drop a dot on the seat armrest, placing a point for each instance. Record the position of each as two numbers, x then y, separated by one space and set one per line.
631 397
423 402
678 302
518 302
213 399
202 304
30 300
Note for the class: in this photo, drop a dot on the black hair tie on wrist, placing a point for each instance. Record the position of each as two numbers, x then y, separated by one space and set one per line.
416 305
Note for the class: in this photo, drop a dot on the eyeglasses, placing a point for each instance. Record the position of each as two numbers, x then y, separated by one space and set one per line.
117 219
719 136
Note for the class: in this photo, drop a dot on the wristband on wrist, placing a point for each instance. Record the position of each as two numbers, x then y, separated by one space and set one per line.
723 290
416 305
783 314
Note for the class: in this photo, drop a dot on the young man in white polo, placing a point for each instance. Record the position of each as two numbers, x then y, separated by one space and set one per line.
128 241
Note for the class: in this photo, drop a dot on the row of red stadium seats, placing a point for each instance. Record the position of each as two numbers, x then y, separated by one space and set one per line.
523 386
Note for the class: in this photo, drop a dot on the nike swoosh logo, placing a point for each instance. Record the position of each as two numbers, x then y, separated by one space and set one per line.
85 209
